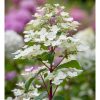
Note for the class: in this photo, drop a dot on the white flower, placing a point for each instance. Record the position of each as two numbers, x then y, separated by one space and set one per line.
35 22
71 74
68 19
56 5
59 78
54 29
35 93
21 84
43 34
49 15
62 37
64 25
18 92
38 86
64 14
56 43
26 98
51 36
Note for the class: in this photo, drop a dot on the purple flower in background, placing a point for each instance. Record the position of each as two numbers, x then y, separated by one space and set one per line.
17 18
78 14
20 15
14 25
23 15
29 5
10 75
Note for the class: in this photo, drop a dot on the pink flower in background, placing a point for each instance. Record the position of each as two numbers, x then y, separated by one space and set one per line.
17 26
78 14
18 17
10 75
29 5
23 15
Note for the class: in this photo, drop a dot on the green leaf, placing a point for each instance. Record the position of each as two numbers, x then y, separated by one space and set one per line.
70 64
44 56
50 57
47 56
58 98
29 81
41 96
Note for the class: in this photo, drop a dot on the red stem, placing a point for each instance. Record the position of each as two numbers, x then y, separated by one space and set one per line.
50 95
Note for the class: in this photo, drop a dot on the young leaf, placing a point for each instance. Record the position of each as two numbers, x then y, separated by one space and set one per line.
70 64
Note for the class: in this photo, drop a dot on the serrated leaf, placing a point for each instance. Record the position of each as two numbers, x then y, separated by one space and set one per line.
41 96
70 64
28 82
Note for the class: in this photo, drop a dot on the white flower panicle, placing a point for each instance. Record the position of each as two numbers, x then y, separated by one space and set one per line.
45 34
41 33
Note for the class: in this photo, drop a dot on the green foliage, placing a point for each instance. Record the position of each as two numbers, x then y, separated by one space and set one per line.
47 56
58 98
50 57
70 64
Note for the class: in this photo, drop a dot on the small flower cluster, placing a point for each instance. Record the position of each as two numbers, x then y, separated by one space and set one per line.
21 95
61 74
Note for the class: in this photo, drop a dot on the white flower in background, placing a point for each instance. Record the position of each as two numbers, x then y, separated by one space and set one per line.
13 41
87 57
86 37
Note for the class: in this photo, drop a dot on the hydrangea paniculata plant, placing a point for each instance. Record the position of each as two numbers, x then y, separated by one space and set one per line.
48 40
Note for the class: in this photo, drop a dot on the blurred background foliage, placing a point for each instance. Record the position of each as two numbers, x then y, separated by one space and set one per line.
79 88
